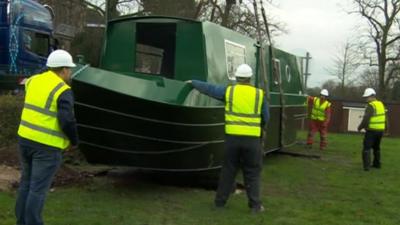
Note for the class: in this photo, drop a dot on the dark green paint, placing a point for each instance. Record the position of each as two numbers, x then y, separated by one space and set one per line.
157 121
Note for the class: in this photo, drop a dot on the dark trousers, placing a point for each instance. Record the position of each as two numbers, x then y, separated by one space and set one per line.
244 152
372 139
39 164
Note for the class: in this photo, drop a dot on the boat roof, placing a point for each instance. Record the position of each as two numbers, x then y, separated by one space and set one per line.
156 17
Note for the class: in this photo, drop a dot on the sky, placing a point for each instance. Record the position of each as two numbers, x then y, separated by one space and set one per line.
316 26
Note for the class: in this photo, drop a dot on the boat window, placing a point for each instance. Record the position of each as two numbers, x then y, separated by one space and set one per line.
277 71
235 56
288 74
36 43
155 48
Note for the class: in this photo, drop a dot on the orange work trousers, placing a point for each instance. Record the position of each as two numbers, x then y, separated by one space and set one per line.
322 128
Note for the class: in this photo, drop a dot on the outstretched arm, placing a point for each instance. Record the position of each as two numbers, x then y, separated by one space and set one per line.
214 91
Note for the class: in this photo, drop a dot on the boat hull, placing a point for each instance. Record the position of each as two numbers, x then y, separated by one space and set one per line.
118 129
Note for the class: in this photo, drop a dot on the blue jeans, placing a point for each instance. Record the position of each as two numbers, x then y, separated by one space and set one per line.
39 164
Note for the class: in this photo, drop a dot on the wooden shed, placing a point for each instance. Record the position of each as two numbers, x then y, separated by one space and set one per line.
347 115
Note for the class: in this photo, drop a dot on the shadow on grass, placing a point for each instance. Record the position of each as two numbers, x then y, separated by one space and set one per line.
126 177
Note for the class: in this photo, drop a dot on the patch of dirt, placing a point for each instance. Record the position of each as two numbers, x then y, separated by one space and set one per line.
9 177
9 156
67 176
10 171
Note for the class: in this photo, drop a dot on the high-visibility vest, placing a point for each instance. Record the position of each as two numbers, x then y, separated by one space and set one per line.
39 121
378 119
243 110
318 110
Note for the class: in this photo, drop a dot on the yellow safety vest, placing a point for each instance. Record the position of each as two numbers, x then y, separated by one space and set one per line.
39 121
318 110
243 110
378 119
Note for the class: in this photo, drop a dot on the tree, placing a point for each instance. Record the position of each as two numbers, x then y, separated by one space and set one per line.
370 78
238 16
384 23
351 92
178 8
314 91
396 91
345 62
331 86
233 14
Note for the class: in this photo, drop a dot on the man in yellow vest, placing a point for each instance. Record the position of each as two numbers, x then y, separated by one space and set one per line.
320 114
47 128
246 112
374 123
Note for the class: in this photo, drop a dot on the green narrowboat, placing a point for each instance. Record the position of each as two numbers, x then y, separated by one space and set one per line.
136 109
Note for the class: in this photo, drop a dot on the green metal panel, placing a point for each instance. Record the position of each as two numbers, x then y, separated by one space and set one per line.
292 108
203 51
290 74
152 88
215 37
190 58
119 52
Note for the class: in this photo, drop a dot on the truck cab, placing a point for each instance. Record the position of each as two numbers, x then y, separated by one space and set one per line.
25 40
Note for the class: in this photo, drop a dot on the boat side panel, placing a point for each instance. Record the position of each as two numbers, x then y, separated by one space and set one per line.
121 102
215 37
293 109
120 47
123 130
270 138
290 73
190 57
207 157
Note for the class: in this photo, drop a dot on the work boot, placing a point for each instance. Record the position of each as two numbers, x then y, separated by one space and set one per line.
376 162
378 166
258 209
218 204
219 207
366 159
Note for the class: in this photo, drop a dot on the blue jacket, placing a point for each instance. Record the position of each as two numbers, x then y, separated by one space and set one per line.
218 92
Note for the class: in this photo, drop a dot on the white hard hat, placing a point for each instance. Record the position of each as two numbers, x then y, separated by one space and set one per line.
324 92
243 70
60 58
369 92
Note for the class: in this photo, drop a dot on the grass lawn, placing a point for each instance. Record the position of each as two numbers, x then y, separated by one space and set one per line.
296 191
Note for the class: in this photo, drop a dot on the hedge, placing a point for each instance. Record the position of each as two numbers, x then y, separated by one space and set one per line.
10 113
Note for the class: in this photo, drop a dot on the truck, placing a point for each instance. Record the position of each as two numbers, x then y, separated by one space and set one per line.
26 29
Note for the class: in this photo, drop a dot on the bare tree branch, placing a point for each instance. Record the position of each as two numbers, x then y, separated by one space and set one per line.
382 17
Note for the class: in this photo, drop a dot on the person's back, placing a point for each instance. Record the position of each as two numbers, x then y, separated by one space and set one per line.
47 128
246 112
374 123
243 110
39 121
